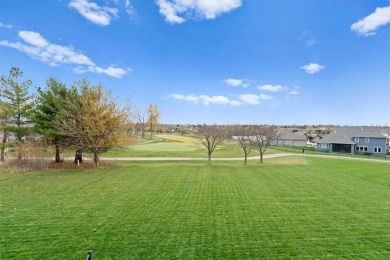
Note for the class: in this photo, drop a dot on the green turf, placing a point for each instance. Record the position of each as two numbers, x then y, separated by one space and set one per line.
164 147
284 208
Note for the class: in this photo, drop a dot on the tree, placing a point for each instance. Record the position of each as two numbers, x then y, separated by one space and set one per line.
98 124
211 137
4 118
263 136
48 104
153 118
244 134
16 104
140 117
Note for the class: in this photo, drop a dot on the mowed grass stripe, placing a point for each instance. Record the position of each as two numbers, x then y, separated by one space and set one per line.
164 210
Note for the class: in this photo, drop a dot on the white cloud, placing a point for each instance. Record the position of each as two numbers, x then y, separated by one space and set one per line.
214 100
236 103
233 82
250 99
110 71
272 88
369 24
190 98
174 10
206 100
8 26
33 38
39 48
264 97
293 92
312 68
244 99
169 11
94 13
237 82
129 8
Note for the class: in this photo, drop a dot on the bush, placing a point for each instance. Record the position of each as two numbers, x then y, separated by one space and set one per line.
30 155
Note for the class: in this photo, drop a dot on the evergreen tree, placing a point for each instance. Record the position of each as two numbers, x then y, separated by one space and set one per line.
17 104
48 104
4 131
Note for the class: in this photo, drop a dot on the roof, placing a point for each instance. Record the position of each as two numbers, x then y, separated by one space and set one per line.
335 138
290 136
344 135
359 132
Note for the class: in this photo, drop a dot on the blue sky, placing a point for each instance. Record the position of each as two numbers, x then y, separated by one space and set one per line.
213 61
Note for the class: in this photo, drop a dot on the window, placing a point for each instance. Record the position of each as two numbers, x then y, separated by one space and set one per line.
367 139
377 149
323 145
361 148
356 139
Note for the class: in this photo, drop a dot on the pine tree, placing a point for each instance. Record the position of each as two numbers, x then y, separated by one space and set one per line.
48 104
17 104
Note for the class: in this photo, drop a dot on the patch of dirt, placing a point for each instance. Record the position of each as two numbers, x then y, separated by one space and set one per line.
70 165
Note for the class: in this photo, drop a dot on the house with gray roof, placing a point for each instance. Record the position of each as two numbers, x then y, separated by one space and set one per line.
354 140
286 138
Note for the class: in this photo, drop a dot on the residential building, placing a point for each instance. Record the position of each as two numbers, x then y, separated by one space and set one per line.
286 138
354 140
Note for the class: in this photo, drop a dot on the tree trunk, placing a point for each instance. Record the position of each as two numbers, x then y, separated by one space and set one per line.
246 158
96 158
58 159
78 156
19 152
2 156
209 160
261 157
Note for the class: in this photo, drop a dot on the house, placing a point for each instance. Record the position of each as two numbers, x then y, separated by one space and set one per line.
286 138
354 140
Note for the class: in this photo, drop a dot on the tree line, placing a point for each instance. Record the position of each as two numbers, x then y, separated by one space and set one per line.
86 118
83 117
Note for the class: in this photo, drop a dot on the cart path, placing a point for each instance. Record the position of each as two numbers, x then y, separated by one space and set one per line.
266 156
276 155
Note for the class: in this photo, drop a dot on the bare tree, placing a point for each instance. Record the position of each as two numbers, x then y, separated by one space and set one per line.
244 134
153 118
141 120
263 136
211 137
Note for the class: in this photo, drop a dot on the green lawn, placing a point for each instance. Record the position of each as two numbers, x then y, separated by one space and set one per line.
162 147
284 208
